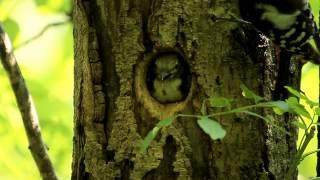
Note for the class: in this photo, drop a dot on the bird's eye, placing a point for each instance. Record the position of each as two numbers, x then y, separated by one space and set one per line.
177 65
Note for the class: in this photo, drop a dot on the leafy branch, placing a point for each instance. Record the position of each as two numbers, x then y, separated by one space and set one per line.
209 124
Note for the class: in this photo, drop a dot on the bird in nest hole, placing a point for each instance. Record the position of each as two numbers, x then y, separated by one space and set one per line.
168 78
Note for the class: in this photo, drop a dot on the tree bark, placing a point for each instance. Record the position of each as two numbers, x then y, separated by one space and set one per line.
115 41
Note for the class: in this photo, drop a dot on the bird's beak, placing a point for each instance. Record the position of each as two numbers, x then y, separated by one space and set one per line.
163 76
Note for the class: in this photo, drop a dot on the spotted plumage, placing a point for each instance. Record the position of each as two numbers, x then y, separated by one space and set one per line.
288 23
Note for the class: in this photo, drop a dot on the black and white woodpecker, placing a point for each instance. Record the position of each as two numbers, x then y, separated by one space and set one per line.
288 23
168 78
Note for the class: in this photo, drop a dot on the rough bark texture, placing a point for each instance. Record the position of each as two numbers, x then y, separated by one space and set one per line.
114 42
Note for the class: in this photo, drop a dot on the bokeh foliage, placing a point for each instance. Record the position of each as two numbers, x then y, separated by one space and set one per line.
47 64
310 85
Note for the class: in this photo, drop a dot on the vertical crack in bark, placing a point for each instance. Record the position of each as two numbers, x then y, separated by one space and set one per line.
110 79
169 156
126 167
145 15
200 151
165 170
266 161
280 92
181 36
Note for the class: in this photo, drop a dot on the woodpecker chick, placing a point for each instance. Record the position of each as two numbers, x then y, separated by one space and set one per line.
168 78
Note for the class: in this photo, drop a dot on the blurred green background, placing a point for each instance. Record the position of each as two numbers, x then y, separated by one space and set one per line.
310 85
47 64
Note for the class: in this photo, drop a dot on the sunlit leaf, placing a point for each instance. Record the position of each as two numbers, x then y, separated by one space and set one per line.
12 28
148 139
317 111
302 111
292 100
54 5
279 107
294 92
67 6
315 178
301 95
40 2
153 133
315 5
211 127
299 124
246 92
311 103
220 102
297 108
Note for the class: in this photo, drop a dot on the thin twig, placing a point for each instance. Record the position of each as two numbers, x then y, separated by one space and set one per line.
27 108
48 26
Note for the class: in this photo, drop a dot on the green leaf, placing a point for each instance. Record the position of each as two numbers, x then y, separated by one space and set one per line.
294 92
153 133
315 5
311 103
12 28
148 139
61 6
297 108
301 95
279 107
66 6
250 94
299 125
302 111
317 111
211 127
220 102
54 5
315 178
41 2
292 100
165 122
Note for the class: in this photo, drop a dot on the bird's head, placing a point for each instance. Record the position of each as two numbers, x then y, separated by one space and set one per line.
167 67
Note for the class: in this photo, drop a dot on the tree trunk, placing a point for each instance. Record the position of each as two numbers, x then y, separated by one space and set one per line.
115 43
